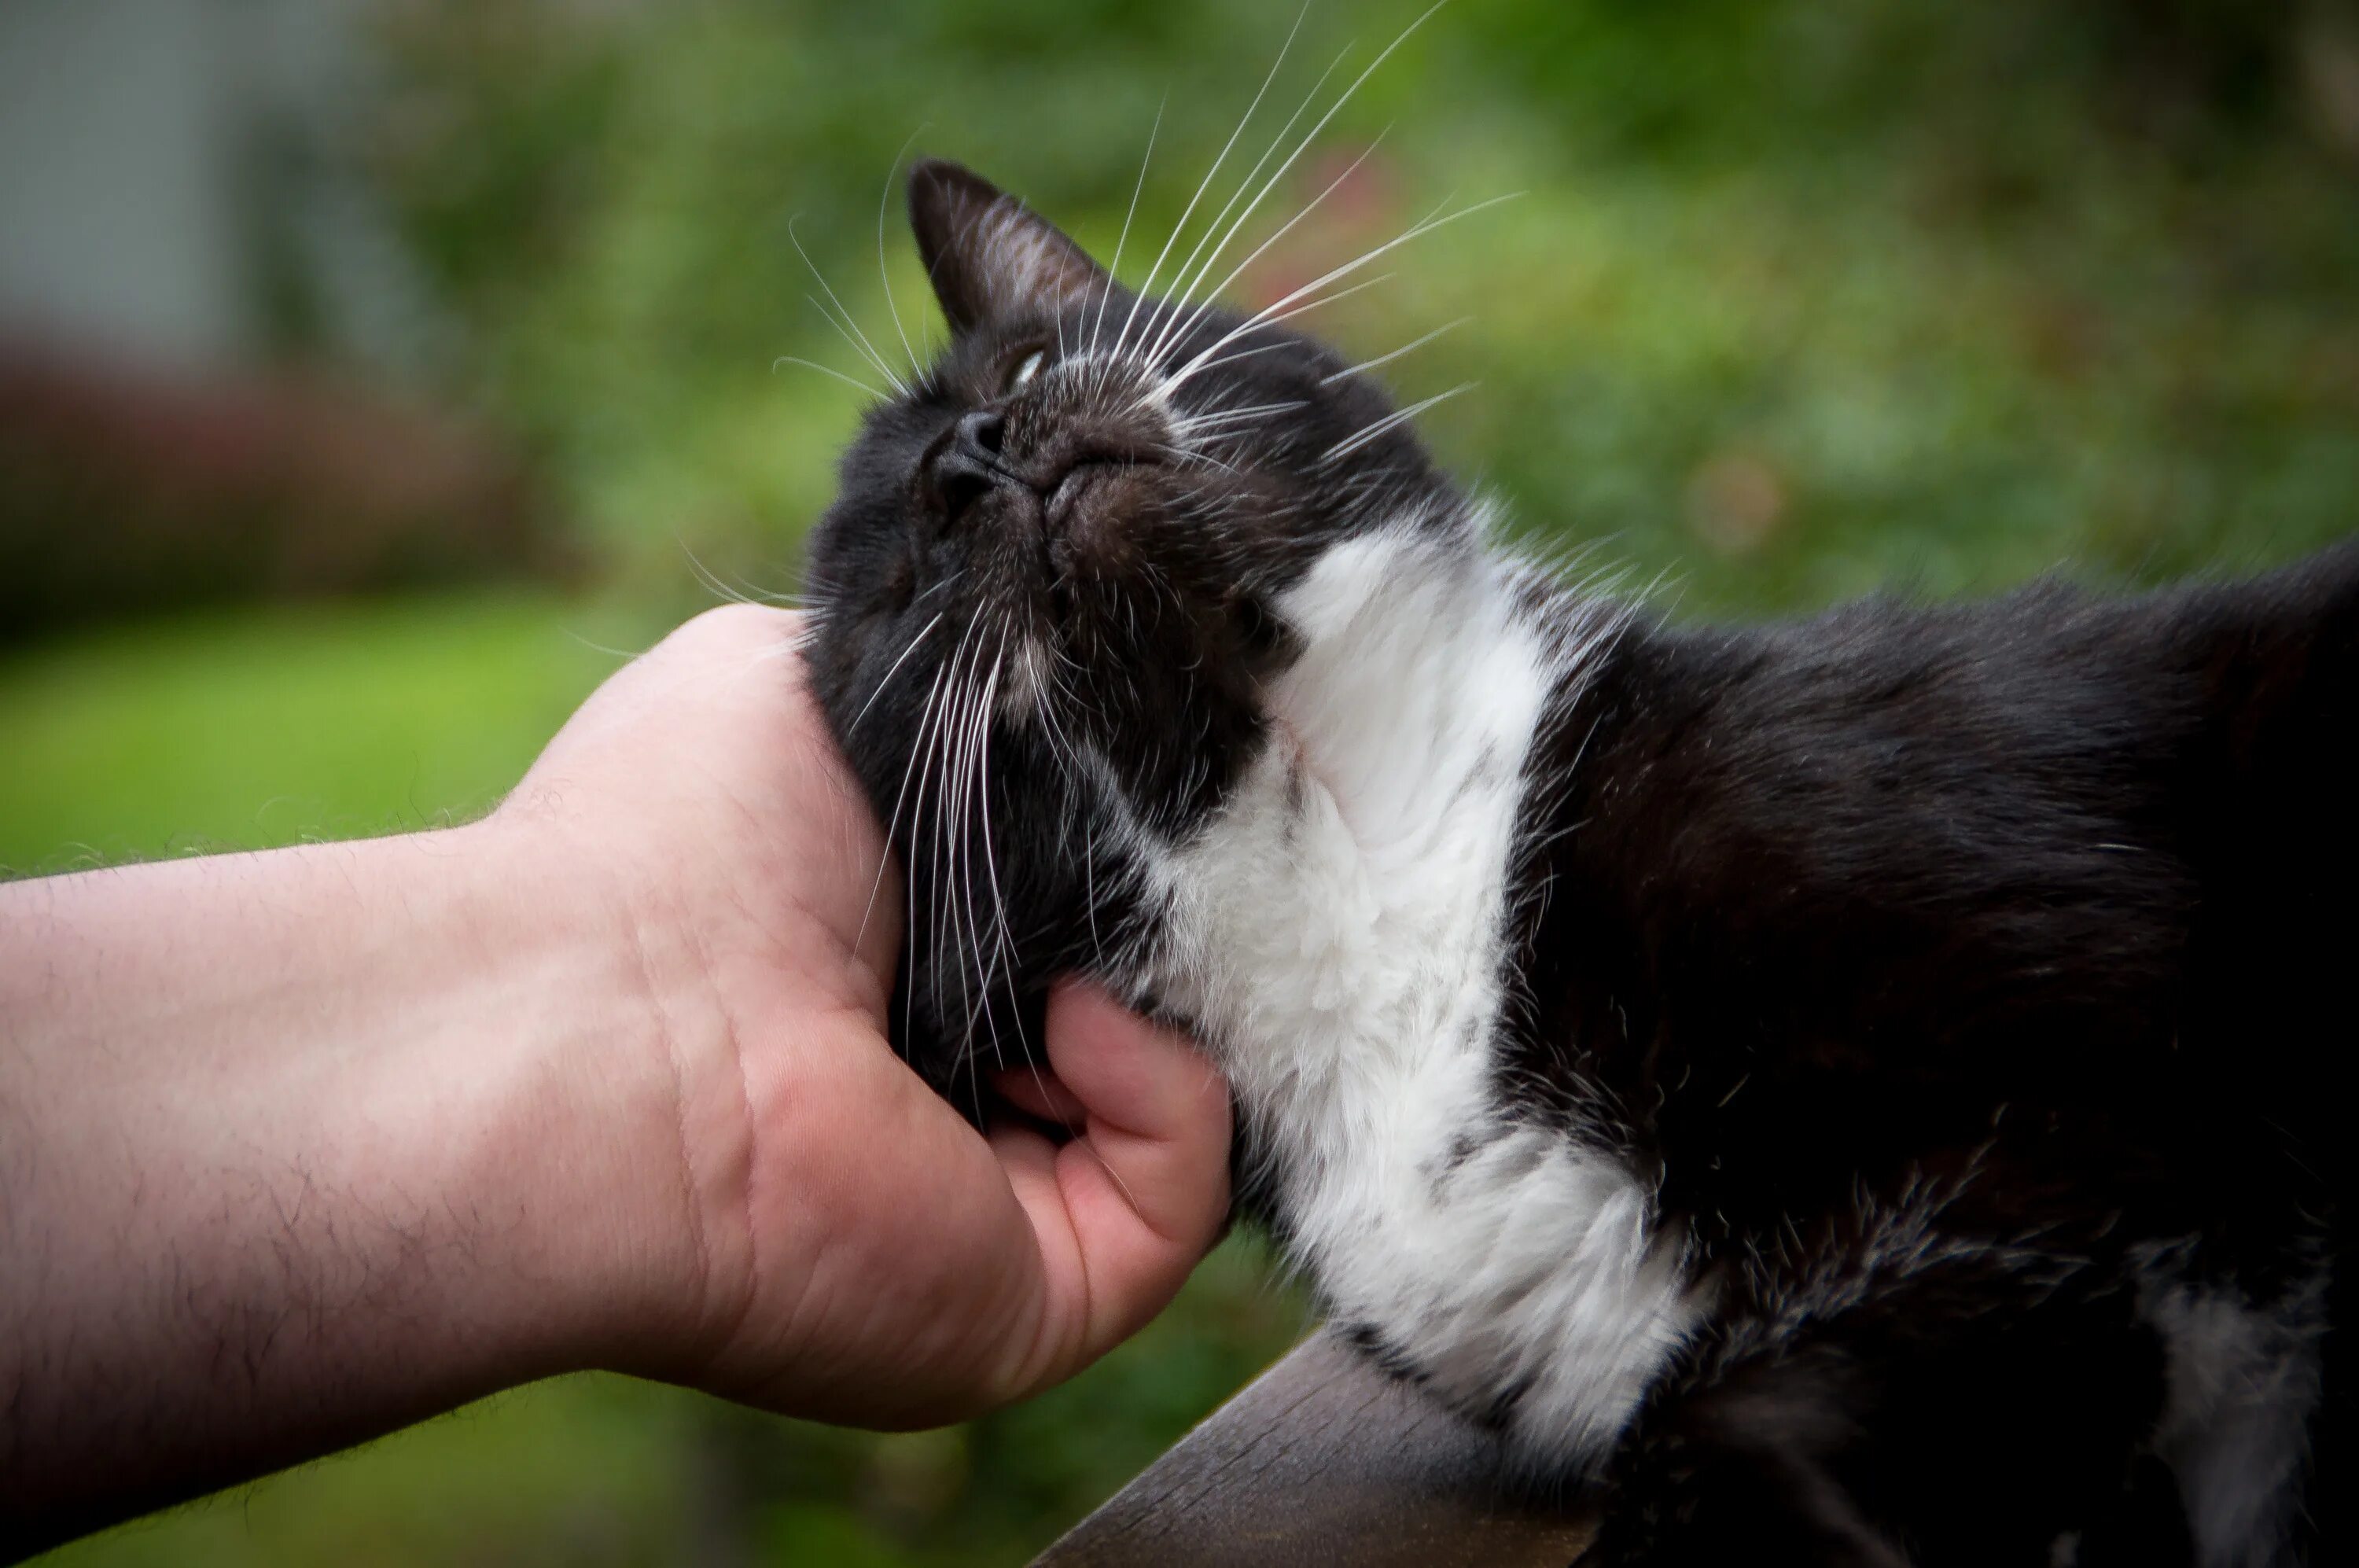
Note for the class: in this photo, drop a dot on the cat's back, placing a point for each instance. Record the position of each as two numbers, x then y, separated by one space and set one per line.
1856 883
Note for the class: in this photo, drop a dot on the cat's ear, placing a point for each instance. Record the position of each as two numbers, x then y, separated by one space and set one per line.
989 256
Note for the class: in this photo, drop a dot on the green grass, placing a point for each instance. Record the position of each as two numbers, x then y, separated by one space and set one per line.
578 1470
245 730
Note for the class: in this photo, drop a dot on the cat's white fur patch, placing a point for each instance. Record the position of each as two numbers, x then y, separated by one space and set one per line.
1336 932
2241 1383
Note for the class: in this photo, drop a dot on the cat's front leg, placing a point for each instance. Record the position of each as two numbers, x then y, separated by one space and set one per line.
1951 1402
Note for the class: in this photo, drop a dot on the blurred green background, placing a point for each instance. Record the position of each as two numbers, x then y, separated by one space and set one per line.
374 371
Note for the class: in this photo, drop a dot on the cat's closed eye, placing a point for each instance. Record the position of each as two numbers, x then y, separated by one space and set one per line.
899 585
1026 369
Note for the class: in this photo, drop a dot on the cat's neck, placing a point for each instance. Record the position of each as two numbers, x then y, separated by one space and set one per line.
1344 908
1340 933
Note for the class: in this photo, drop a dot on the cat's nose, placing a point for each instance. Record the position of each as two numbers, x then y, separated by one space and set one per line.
983 432
968 464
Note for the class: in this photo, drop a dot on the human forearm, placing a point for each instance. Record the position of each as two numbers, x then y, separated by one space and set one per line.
295 1148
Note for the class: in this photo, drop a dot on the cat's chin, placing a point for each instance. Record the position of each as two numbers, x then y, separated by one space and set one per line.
1095 517
1070 505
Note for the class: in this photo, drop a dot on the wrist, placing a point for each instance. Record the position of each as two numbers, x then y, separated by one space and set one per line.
618 1119
500 1097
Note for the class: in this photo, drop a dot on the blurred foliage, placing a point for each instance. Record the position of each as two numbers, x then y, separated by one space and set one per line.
122 497
1800 297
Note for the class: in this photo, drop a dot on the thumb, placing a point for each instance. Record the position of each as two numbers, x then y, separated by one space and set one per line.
1122 1212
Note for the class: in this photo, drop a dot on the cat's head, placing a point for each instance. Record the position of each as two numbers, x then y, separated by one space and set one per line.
1050 594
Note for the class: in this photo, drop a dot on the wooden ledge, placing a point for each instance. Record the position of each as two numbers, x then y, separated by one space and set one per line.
1324 1459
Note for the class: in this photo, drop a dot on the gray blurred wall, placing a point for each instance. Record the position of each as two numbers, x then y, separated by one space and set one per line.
170 171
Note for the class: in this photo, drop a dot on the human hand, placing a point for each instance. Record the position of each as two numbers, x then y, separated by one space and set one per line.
805 1224
306 1144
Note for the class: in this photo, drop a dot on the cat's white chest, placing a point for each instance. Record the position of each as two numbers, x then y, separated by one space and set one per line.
1337 931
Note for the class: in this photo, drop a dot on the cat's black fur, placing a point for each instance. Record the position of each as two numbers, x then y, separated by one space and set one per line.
2017 928
1966 983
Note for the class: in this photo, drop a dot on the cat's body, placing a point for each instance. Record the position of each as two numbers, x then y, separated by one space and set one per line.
1949 995
1857 1090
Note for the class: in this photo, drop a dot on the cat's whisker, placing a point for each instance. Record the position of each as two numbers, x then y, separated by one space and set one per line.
1244 353
1367 365
1184 456
1232 440
625 653
741 593
1205 184
1059 693
706 578
1187 324
1113 268
950 818
1158 391
894 670
1354 441
885 276
917 749
827 370
1309 136
975 807
1415 230
1286 315
1196 422
868 348
1201 439
1004 937
972 812
974 983
845 330
933 778
699 676
1178 305
1190 274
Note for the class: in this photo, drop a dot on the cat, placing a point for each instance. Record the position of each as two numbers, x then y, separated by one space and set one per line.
1858 1090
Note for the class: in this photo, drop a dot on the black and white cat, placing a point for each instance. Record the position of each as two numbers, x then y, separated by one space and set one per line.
1863 1090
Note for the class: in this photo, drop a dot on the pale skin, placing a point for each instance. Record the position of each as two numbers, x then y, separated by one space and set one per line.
299 1147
